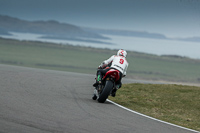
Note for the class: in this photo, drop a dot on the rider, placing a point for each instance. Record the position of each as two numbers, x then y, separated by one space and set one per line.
117 62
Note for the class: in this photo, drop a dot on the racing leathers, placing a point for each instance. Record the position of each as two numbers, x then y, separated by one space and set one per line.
115 62
118 62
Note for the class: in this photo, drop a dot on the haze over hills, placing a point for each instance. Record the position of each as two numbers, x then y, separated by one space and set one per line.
52 29
150 26
172 18
141 34
63 30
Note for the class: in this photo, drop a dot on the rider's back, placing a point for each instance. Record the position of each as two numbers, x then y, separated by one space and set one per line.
120 63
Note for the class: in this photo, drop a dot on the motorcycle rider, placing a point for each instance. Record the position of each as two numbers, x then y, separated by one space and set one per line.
117 62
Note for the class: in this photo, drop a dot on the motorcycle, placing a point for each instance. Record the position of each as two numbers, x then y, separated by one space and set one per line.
107 87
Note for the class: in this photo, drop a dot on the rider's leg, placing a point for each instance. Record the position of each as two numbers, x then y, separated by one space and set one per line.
117 86
98 77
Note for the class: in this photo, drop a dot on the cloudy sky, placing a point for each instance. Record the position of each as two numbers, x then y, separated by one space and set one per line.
173 18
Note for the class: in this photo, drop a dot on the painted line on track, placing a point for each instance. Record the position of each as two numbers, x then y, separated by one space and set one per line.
151 117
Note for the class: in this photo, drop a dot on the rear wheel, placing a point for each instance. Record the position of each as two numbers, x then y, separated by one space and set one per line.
106 91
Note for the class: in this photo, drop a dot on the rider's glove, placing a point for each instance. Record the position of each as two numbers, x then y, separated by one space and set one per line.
100 67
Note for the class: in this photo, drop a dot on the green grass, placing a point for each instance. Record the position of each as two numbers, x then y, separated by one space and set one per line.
165 68
176 104
86 60
51 56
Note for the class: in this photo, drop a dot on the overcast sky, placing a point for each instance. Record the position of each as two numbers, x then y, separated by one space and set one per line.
173 18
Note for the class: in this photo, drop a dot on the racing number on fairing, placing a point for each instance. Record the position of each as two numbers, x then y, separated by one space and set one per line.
121 61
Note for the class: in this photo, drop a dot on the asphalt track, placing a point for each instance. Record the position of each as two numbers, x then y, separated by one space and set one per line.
46 101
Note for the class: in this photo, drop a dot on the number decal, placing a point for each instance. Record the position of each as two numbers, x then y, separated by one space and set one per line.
121 61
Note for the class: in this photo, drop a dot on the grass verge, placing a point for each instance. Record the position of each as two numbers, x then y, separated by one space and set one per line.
177 104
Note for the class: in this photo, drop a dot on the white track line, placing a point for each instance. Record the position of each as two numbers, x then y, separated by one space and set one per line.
151 117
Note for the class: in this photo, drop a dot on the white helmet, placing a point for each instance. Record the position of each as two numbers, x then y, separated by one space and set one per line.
122 52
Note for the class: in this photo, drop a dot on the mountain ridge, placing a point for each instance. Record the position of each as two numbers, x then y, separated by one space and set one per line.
47 28
141 34
53 29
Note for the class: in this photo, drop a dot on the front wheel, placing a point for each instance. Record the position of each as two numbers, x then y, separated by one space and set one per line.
106 91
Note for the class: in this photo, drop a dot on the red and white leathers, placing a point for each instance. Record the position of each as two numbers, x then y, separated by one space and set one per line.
118 62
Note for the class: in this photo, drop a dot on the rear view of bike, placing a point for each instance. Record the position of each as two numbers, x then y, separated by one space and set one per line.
104 89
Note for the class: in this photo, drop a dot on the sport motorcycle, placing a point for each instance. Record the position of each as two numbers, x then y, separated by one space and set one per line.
107 86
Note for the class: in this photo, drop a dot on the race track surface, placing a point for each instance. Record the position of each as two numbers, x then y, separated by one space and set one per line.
46 101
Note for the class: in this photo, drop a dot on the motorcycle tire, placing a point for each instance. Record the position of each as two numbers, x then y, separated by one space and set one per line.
106 92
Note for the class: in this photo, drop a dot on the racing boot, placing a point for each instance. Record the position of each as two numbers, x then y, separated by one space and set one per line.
94 97
113 93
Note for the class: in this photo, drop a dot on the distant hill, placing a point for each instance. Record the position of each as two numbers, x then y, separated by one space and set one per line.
49 28
142 34
55 30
